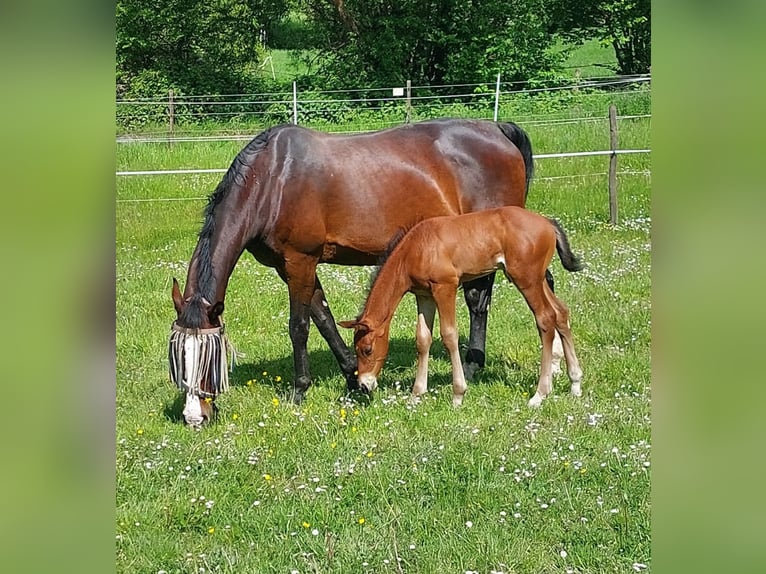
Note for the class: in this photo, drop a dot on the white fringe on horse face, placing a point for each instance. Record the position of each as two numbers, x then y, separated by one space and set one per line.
195 355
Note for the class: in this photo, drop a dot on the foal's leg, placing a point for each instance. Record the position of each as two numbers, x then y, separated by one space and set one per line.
558 350
325 322
445 296
299 273
423 339
562 326
545 317
478 294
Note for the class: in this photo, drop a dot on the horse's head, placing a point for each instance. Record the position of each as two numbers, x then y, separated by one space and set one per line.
371 346
197 354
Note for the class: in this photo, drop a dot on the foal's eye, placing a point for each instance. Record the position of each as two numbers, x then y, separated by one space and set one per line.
367 351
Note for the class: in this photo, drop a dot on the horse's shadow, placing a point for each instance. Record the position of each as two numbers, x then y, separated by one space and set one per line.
399 372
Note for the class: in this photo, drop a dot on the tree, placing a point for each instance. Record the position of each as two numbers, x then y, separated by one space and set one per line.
626 24
381 43
195 46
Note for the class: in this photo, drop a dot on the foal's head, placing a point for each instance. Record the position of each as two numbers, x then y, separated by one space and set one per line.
197 355
371 345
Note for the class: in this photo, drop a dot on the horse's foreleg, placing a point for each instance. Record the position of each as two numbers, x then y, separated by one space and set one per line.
445 302
478 294
423 339
299 274
325 322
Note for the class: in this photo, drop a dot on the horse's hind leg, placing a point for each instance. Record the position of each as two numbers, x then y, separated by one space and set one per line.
478 294
325 322
558 349
545 317
562 327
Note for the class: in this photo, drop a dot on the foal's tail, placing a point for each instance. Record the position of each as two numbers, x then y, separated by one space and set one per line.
521 140
568 259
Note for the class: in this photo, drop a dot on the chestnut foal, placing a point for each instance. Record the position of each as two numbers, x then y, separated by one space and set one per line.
435 257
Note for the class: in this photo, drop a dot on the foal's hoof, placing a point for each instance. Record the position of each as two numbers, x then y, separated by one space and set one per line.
535 401
576 390
457 400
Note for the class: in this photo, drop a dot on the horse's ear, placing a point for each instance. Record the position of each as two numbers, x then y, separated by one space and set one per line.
348 324
177 298
215 311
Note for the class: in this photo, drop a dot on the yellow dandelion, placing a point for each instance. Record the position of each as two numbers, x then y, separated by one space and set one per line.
353 429
333 445
208 399
275 402
267 477
210 530
250 383
277 378
361 520
235 416
369 454
582 471
265 374
343 413
306 524
139 431
356 412
566 463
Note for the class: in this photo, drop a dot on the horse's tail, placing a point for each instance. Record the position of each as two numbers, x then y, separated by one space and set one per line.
568 259
521 140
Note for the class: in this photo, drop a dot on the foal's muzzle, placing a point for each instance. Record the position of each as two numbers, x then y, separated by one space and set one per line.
368 382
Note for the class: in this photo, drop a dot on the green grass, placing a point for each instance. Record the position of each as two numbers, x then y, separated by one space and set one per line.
273 488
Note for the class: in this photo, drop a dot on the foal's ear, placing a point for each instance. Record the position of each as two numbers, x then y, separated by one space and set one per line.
350 324
215 311
177 298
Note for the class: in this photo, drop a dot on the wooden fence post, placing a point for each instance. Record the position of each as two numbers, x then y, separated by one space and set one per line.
613 164
171 111
409 102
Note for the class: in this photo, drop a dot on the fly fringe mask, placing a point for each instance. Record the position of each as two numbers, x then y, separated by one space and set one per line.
197 355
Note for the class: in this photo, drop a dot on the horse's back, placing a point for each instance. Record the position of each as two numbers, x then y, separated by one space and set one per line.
346 195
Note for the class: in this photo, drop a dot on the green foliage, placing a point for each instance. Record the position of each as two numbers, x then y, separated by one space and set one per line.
194 46
625 24
430 42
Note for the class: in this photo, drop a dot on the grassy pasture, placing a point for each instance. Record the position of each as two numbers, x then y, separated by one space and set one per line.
343 484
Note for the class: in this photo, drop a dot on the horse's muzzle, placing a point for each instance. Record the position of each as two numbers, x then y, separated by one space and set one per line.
368 382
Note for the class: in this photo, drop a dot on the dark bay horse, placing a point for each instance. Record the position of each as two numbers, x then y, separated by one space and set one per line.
439 254
295 198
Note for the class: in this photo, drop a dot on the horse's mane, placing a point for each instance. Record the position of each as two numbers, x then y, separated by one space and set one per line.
234 178
395 240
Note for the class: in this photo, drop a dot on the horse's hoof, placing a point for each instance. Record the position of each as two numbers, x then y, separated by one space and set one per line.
470 369
535 401
576 390
457 400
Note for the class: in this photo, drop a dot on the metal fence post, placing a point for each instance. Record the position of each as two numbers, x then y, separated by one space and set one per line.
295 103
171 111
613 164
497 96
409 102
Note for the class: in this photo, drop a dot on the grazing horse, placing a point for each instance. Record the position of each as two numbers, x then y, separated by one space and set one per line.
435 257
294 198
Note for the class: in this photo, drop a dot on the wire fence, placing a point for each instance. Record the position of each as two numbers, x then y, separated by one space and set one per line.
172 117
